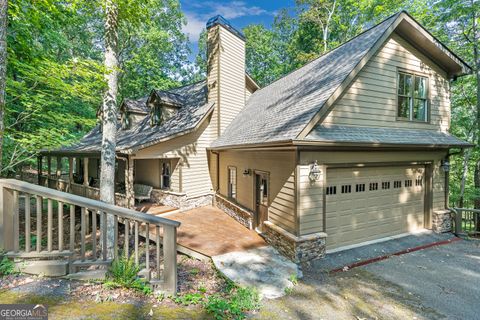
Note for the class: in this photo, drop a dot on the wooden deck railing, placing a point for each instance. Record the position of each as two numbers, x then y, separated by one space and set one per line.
467 221
69 242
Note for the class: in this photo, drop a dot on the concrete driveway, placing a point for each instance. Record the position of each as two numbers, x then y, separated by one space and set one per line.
440 282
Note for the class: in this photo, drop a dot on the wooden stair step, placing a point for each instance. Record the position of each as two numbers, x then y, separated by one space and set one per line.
49 268
86 263
41 254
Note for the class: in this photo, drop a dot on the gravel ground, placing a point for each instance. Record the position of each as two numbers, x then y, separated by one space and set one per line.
436 283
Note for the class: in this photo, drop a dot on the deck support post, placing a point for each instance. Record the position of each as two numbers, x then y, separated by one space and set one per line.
85 176
70 174
49 170
129 193
39 169
59 171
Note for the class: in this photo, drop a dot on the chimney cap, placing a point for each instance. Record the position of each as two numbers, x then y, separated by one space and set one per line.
220 20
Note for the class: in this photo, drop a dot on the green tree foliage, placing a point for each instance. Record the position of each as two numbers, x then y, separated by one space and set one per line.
55 67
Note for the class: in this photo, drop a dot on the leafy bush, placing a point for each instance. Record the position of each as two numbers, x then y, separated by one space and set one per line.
189 299
123 273
6 267
234 305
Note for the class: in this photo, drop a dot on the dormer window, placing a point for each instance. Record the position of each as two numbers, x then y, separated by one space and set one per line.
125 120
412 97
156 115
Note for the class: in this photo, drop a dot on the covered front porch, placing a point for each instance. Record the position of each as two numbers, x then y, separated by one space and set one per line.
79 174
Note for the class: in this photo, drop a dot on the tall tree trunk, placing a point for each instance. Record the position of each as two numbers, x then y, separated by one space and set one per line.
109 115
3 69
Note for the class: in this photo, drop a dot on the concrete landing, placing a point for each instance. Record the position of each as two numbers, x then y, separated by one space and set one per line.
263 268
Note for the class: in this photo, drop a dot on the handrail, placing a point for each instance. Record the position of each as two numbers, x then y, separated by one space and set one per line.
85 202
466 209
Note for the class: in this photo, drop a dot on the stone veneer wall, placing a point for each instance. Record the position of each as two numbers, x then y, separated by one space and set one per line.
302 250
180 200
442 221
243 216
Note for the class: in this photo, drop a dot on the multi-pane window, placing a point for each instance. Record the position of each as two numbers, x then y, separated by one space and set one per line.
347 188
125 120
397 184
232 182
385 185
360 187
408 183
166 173
156 115
373 186
412 97
419 182
331 190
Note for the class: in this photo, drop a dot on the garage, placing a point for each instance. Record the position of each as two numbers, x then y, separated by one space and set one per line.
365 204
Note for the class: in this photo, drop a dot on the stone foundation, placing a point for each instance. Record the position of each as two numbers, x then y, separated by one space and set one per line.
301 250
180 200
243 216
442 221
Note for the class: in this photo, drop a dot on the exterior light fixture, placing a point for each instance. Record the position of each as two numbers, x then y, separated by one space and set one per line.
246 172
445 165
315 172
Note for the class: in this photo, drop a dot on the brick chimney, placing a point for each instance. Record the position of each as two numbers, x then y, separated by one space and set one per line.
225 71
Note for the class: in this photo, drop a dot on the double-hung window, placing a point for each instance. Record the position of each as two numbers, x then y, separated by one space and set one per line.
232 182
412 97
166 173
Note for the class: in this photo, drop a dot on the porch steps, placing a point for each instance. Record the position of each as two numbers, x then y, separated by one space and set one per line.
99 274
36 254
49 268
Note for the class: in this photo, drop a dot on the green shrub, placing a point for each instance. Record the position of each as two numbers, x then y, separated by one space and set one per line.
6 267
123 273
189 299
234 305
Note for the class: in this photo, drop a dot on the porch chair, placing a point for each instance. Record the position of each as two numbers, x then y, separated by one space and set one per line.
142 192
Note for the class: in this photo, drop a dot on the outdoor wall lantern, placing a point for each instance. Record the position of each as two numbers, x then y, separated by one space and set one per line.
246 172
445 165
315 172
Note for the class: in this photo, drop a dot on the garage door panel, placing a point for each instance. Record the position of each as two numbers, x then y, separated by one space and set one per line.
354 217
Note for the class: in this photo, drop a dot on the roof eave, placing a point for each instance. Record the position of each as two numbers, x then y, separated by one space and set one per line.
320 143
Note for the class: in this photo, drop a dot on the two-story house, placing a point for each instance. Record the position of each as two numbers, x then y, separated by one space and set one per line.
351 148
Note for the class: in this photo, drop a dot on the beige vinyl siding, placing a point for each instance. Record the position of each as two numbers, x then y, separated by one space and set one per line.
310 202
371 100
147 171
190 150
280 166
232 77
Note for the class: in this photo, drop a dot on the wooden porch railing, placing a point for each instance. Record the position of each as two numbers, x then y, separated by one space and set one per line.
467 221
70 244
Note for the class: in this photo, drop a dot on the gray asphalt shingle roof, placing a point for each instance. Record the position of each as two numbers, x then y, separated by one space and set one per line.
281 110
137 106
369 135
194 109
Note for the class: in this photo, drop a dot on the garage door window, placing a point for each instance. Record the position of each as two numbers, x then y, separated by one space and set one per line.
331 190
419 182
408 183
360 187
397 184
373 186
385 185
347 189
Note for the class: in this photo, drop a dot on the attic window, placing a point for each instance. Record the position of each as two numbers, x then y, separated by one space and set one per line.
412 97
156 115
125 120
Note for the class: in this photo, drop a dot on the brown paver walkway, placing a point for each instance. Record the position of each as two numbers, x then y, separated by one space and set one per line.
211 232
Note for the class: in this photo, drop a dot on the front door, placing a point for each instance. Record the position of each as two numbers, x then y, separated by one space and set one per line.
261 199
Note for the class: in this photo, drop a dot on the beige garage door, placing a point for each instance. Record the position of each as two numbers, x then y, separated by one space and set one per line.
372 203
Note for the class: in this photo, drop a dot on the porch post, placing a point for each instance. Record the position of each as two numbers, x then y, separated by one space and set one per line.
129 194
39 169
49 170
59 171
85 176
70 173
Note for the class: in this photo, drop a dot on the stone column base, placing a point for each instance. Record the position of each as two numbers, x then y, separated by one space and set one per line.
442 221
301 250
180 200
